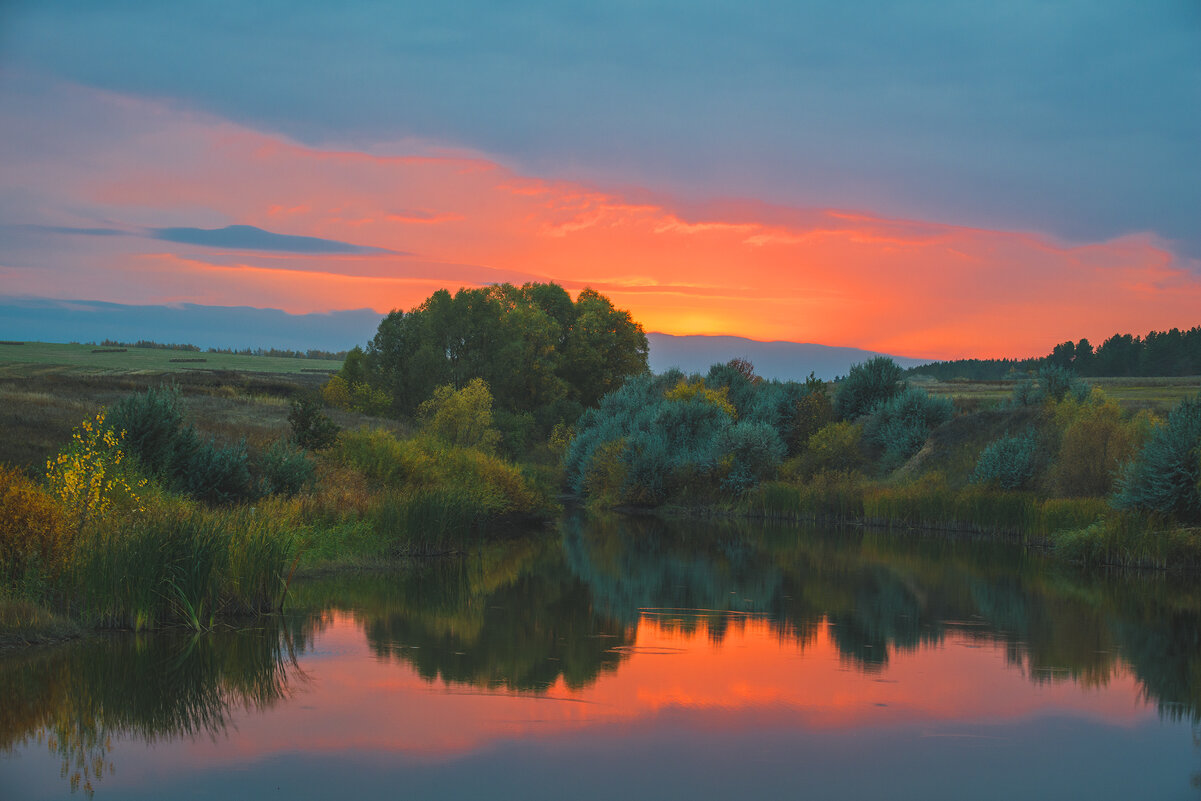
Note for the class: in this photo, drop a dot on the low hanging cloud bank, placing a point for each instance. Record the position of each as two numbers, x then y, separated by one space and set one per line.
241 217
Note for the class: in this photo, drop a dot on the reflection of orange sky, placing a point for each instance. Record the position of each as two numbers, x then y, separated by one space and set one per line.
751 679
902 286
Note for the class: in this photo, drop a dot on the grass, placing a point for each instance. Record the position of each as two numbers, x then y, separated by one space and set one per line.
23 622
1153 394
158 360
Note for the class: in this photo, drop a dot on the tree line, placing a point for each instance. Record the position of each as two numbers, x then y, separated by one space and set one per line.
1160 353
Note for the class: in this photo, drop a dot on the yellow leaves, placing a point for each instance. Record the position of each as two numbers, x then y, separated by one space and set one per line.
686 390
88 478
31 523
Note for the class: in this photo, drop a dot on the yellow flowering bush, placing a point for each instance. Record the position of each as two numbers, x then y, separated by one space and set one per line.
90 477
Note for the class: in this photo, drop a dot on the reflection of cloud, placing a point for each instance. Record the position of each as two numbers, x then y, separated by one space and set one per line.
248 237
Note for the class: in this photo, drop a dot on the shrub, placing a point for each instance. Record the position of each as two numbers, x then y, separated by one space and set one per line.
217 473
91 477
153 428
427 463
33 532
1096 440
606 474
336 393
812 411
901 424
687 390
284 470
311 428
1053 383
835 447
867 385
1164 477
1009 462
462 417
749 453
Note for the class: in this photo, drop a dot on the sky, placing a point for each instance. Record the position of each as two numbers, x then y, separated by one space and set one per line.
927 178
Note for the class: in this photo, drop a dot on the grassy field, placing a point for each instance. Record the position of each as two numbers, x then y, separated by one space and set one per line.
41 403
1154 394
154 360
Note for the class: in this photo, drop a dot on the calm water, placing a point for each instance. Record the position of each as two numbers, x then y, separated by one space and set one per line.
626 659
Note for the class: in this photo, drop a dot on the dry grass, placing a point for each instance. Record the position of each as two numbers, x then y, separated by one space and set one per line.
155 360
1153 394
41 404
23 622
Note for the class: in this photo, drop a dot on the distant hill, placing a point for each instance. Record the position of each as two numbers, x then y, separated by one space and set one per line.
45 320
783 360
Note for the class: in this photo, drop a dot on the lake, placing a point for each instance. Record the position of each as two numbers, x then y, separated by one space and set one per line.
610 657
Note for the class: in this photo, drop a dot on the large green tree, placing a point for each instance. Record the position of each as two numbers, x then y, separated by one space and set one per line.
540 353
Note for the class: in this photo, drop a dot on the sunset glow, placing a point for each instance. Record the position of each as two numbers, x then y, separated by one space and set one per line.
411 224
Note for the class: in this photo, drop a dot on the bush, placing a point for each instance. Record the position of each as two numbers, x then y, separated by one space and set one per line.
33 532
1053 383
284 470
153 428
426 463
833 448
336 393
1096 440
687 390
462 417
1164 477
812 411
1009 462
749 453
92 477
217 473
901 424
311 428
867 385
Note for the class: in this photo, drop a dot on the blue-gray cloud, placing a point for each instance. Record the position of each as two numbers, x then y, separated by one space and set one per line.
248 237
1079 118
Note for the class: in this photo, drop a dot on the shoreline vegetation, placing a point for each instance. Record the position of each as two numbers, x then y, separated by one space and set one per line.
134 500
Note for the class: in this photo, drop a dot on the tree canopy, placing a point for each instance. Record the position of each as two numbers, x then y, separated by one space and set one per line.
539 352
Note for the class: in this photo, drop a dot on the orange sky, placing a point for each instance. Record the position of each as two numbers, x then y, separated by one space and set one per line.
908 287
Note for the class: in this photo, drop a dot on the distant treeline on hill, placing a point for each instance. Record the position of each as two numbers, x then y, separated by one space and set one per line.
312 353
1160 353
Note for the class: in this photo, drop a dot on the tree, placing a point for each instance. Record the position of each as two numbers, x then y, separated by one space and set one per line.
865 386
540 353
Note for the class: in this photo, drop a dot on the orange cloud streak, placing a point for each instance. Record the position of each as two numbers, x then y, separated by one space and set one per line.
902 286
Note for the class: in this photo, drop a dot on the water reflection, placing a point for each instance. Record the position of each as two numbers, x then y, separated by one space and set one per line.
627 618
75 699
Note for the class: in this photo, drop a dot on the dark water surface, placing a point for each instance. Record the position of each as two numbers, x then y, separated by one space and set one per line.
624 659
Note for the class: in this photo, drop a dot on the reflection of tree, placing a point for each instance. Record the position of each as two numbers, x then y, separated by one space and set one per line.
632 566
884 592
77 697
510 615
886 615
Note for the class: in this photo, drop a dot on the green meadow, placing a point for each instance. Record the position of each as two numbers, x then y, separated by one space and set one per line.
102 359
